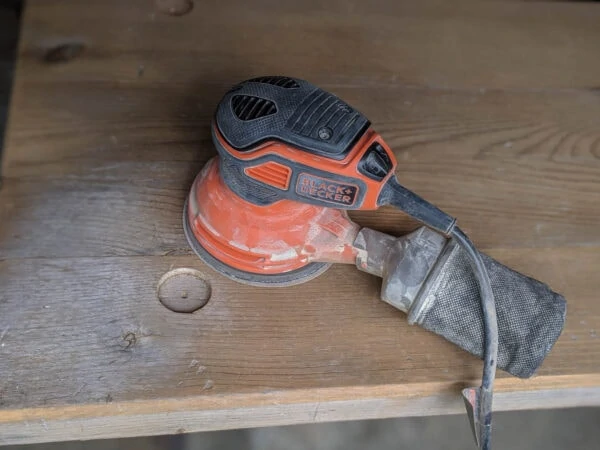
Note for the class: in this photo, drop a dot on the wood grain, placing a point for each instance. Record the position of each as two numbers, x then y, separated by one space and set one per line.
494 114
486 158
193 415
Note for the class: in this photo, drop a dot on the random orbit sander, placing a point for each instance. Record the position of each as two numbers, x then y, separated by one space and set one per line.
270 210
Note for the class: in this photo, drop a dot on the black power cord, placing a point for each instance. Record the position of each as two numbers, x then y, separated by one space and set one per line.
482 427
478 400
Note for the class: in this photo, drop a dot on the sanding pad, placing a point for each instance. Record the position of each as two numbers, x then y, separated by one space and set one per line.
290 278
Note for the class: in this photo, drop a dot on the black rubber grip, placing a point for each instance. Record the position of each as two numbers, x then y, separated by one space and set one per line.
306 185
393 193
292 111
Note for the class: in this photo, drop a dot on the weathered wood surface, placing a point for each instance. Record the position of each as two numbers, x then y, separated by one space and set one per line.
493 110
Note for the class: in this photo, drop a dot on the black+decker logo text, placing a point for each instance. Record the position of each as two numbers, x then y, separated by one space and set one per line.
326 190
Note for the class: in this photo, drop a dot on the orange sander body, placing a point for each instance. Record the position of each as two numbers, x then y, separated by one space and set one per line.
282 244
292 158
271 210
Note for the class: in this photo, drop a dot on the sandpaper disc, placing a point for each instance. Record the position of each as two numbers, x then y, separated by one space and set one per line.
291 278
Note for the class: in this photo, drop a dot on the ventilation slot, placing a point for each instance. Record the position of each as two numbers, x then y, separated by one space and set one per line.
247 107
271 173
284 82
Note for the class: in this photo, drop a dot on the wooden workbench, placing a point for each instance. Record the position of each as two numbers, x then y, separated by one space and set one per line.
493 109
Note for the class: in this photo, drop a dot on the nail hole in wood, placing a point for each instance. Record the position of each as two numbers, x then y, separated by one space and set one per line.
174 7
183 290
63 53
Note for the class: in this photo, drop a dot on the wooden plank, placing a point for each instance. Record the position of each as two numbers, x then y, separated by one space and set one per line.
193 417
489 159
492 111
107 339
436 44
